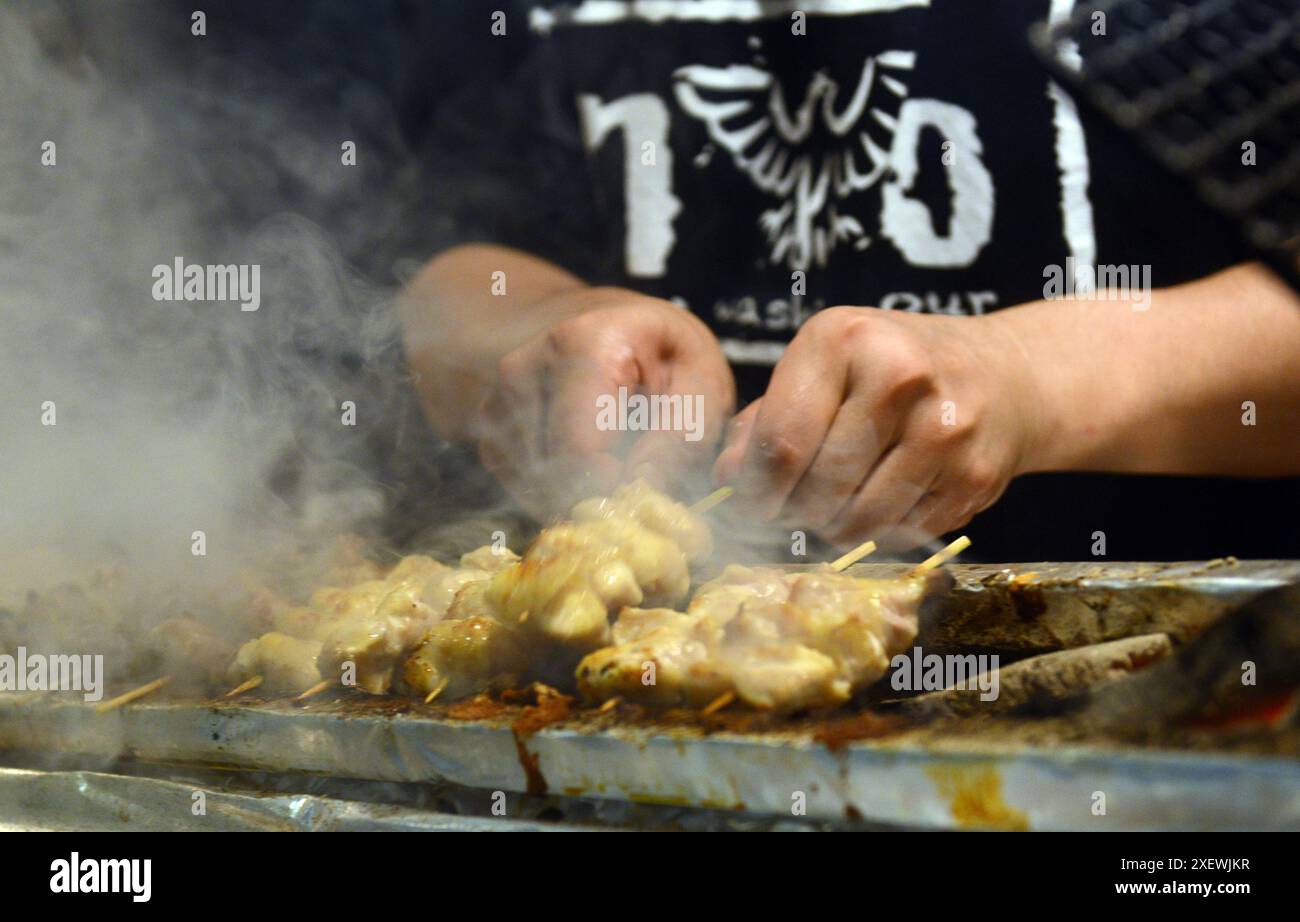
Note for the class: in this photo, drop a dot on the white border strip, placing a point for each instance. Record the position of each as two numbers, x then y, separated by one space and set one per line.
1072 160
604 12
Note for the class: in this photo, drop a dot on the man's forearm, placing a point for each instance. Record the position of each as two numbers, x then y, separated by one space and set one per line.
1170 388
466 309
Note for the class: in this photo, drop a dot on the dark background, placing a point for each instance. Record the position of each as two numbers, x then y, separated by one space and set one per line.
404 78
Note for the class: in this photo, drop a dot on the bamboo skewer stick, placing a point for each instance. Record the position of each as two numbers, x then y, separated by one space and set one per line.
941 557
242 687
609 705
437 690
314 690
718 703
842 563
720 495
134 694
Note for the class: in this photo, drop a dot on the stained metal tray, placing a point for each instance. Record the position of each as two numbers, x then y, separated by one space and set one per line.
916 781
984 774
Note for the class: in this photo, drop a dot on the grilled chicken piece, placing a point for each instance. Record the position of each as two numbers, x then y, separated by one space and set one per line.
489 558
463 656
287 664
476 565
573 575
334 603
632 548
327 606
662 656
641 503
785 677
780 641
372 643
666 659
619 551
739 584
190 649
420 590
372 623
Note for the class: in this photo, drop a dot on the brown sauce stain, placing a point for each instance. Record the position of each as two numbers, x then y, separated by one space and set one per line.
547 706
480 707
837 733
531 764
974 795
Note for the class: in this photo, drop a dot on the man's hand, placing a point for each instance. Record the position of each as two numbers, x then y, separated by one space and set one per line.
538 430
891 426
509 353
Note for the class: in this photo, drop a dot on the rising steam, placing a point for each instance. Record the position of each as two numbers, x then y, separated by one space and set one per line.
129 425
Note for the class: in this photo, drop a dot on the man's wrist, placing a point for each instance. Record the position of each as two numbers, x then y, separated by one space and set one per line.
1090 380
1040 384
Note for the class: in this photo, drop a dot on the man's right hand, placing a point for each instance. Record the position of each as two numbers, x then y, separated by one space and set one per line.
537 431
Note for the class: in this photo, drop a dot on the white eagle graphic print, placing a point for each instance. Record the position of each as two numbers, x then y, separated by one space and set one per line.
810 157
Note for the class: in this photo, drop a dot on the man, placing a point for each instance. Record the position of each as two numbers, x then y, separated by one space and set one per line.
785 174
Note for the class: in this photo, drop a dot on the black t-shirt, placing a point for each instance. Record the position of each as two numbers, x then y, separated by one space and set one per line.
757 161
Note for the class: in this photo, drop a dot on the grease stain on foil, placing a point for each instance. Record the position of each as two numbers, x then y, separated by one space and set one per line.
974 795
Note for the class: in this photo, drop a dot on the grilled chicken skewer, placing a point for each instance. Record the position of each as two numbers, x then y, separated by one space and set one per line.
778 641
631 548
775 640
280 662
498 619
421 592
366 626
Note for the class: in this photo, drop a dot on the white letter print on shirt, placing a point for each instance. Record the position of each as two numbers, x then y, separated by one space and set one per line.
649 203
807 226
906 221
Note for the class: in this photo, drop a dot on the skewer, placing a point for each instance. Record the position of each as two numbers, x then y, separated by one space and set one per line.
437 690
114 703
941 557
718 703
719 495
840 564
609 705
244 686
314 690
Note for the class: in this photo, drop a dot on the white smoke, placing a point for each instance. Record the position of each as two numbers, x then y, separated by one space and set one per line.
171 418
